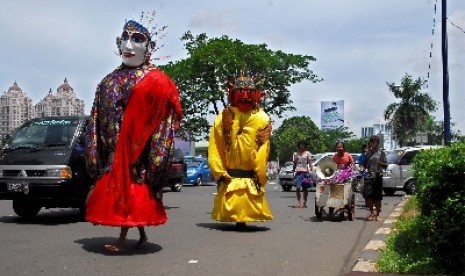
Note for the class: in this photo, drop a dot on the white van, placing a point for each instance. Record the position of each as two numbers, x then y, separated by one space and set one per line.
399 176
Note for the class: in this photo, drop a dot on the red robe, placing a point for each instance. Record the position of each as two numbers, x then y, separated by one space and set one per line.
117 199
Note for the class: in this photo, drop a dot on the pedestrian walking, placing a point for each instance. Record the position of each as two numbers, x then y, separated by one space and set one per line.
302 173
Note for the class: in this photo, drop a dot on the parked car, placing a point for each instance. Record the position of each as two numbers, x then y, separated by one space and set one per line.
355 158
398 175
286 176
42 165
198 171
178 171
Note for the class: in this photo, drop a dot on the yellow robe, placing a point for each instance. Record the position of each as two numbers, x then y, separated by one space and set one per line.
240 200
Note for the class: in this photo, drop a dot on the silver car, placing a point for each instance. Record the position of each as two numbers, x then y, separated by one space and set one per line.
398 175
286 176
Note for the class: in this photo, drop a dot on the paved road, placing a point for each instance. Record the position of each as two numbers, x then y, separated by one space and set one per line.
57 242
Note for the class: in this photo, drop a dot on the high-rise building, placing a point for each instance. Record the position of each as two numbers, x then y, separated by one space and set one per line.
384 131
62 103
15 109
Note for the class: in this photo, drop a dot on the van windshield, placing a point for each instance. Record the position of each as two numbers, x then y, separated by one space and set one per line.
46 133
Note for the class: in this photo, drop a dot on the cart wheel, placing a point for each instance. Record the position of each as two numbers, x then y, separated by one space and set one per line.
318 211
351 208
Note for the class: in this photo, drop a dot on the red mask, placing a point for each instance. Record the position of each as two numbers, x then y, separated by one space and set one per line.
244 99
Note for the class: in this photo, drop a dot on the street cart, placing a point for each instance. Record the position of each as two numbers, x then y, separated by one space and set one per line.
334 191
337 197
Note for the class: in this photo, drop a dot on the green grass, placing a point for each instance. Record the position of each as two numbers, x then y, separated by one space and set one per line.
407 248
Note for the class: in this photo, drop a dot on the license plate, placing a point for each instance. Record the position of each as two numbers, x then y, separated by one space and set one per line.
17 187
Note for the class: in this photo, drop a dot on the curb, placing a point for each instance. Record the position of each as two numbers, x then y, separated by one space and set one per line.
371 252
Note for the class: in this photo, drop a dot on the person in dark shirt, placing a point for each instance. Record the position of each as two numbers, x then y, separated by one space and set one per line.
375 161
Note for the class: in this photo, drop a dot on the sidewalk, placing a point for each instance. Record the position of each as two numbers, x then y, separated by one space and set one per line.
366 263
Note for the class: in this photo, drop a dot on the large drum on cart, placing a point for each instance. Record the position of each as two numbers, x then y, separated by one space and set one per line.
338 198
334 191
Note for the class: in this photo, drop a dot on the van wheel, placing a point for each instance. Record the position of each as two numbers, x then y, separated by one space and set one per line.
389 191
199 181
82 212
409 187
177 187
26 208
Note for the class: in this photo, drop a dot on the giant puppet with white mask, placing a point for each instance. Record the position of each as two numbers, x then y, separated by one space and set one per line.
129 140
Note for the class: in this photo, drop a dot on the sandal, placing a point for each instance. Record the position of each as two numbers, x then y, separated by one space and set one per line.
114 248
371 217
142 241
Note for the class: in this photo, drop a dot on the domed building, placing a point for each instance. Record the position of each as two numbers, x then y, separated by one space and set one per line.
15 109
62 103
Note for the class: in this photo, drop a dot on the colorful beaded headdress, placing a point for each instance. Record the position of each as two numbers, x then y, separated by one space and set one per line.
245 81
132 26
146 25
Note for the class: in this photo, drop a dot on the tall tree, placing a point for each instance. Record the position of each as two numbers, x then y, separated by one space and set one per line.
292 130
435 131
202 77
407 116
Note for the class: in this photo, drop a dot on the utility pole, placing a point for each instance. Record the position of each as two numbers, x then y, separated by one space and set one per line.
445 76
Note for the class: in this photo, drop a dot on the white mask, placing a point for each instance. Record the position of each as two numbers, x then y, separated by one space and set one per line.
133 47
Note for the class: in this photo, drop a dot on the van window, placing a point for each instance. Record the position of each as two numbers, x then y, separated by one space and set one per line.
407 159
393 157
44 133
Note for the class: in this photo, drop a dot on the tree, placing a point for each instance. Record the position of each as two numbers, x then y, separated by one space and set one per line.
202 77
407 116
331 136
351 142
354 145
435 131
292 130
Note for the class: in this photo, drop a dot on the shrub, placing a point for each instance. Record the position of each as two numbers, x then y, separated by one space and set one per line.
440 185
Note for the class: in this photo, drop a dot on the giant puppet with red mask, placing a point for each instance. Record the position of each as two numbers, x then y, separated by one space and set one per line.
129 140
238 152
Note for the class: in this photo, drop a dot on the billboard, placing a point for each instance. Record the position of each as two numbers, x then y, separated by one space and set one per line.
332 114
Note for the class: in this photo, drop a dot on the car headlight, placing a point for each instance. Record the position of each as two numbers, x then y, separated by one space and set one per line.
60 172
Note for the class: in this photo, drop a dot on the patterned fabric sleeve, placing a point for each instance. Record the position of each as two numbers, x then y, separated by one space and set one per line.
161 151
91 149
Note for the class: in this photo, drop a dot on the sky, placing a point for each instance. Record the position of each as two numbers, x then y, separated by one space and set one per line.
359 46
